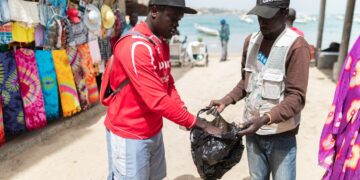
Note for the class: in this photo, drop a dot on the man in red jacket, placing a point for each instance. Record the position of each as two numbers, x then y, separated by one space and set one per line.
134 117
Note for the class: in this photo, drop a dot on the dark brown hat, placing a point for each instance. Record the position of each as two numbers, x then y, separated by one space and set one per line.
268 8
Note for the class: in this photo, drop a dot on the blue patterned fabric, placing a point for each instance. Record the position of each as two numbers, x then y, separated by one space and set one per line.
48 81
13 112
62 4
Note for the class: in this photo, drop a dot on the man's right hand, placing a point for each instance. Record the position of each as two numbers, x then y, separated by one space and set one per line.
221 104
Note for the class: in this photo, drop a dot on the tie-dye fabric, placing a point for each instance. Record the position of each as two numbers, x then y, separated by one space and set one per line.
75 62
48 81
89 73
339 150
13 113
68 95
2 132
30 88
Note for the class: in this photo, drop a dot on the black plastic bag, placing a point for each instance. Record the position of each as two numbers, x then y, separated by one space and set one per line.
214 156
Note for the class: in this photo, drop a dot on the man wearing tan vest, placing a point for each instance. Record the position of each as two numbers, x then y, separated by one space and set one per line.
275 69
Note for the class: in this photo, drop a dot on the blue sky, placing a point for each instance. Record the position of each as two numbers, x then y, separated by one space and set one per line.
303 6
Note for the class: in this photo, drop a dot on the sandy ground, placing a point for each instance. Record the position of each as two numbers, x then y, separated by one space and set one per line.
80 152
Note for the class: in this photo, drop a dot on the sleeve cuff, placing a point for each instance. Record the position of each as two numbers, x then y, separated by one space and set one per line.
193 123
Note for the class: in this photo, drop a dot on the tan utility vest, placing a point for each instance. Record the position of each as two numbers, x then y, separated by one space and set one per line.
265 83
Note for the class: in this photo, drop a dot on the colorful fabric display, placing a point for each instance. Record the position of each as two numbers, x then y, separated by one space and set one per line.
48 81
13 113
30 88
89 73
22 33
2 132
24 11
75 62
69 97
6 33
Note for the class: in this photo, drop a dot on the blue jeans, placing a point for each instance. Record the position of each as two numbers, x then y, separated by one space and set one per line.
271 154
131 159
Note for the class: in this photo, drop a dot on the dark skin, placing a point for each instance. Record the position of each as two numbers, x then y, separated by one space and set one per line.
133 19
163 22
271 29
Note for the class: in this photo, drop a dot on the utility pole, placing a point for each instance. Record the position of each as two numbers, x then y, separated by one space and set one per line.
344 47
320 29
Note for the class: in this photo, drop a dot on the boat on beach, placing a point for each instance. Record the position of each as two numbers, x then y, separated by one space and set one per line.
246 19
206 30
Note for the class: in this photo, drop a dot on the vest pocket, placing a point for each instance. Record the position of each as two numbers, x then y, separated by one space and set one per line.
272 85
249 81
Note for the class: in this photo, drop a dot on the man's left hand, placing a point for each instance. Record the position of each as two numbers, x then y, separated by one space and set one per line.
250 127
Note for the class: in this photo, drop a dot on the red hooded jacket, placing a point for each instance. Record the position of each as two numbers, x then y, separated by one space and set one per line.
137 110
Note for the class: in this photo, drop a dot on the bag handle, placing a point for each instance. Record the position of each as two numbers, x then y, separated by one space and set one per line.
213 111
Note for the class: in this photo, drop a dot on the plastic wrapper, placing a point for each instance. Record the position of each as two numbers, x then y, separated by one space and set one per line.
214 156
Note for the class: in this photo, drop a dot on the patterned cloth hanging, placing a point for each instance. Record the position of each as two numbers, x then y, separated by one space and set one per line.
89 73
13 113
339 150
2 132
48 81
30 88
75 62
69 97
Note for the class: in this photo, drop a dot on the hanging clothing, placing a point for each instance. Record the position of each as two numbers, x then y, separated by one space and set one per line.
22 33
76 66
61 4
339 150
80 33
13 113
105 48
95 51
48 81
24 11
2 132
39 35
69 97
30 88
6 33
4 11
89 73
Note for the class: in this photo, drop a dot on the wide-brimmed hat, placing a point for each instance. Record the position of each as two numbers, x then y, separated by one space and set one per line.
268 8
174 3
73 15
107 16
92 17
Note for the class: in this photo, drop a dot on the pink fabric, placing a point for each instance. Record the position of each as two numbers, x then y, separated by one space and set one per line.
301 33
2 131
30 88
339 150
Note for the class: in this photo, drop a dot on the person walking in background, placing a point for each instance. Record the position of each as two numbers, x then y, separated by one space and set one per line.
275 72
290 22
134 118
224 38
339 150
133 19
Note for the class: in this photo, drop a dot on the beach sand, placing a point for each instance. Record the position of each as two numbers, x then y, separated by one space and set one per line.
80 152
